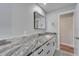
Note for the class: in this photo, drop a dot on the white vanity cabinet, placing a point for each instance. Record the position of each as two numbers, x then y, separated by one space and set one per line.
47 49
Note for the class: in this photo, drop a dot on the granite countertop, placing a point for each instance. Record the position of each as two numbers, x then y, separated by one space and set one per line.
21 45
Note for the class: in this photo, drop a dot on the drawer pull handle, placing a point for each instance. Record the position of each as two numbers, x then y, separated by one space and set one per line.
40 51
48 52
48 44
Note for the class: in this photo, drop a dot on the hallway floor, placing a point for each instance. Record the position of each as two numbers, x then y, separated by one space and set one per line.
62 53
67 48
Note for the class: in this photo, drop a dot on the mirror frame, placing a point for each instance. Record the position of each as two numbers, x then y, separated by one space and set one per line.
35 23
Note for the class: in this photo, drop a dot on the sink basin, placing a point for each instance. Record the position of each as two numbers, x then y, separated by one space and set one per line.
4 42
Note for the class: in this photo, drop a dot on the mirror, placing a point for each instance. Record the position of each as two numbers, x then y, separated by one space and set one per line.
39 21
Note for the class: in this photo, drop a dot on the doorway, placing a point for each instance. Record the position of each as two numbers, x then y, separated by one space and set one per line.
66 32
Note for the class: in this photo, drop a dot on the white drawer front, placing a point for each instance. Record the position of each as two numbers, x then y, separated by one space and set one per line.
50 47
46 50
39 52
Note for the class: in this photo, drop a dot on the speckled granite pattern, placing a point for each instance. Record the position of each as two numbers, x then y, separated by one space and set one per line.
21 46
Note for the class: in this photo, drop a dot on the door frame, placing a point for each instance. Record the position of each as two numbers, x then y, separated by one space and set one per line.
62 13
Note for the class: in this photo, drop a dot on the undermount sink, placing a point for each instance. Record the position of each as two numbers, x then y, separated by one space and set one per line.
4 42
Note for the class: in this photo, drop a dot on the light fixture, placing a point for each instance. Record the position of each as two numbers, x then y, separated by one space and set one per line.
44 3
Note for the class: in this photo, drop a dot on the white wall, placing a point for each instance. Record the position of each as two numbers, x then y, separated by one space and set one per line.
17 18
76 30
76 22
5 20
52 17
23 18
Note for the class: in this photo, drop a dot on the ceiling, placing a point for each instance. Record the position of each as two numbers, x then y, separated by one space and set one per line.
54 6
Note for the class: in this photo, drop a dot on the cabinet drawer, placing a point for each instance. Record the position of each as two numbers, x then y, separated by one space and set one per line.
50 47
49 52
39 52
49 44
46 50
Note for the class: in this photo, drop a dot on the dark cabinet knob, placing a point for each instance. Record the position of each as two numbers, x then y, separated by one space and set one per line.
77 38
53 43
48 44
48 51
